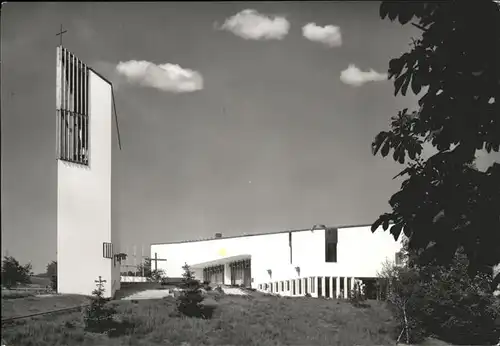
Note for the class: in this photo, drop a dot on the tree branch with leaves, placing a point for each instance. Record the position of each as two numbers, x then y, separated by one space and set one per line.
445 202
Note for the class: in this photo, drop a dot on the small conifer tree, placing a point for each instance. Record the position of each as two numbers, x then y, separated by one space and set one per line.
189 302
99 317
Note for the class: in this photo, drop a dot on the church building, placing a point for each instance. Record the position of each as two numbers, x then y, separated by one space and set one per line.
321 261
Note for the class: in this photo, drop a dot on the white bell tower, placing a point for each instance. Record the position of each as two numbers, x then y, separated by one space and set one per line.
85 241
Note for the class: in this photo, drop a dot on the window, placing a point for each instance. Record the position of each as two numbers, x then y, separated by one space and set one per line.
107 250
72 109
331 252
313 286
282 286
288 285
331 239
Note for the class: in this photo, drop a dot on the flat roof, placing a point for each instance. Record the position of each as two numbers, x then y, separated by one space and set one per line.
220 261
257 234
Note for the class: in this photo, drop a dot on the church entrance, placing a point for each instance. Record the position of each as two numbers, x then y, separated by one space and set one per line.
241 273
214 274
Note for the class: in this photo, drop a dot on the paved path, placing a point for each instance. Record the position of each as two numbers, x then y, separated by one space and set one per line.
149 294
234 291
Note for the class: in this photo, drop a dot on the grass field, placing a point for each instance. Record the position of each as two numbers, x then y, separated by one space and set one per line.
31 304
40 281
236 320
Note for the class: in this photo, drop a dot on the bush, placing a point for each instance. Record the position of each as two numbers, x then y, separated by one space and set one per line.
206 286
99 316
357 296
53 283
157 275
189 301
444 302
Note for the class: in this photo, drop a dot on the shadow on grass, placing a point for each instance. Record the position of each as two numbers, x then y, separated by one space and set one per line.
119 328
361 305
112 329
205 312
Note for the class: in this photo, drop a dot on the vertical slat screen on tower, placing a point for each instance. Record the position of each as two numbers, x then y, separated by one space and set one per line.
72 108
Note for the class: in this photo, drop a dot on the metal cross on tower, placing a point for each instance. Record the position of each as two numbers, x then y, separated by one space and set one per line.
60 34
156 259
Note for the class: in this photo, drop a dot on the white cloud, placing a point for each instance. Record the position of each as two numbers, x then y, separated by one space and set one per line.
166 77
252 25
355 77
329 35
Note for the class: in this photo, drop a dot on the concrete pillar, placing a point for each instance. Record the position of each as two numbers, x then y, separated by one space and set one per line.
303 283
227 274
331 288
323 286
337 287
352 284
345 288
309 282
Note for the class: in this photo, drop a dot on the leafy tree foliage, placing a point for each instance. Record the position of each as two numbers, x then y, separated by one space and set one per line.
13 273
445 203
189 302
154 275
443 301
51 272
145 268
51 269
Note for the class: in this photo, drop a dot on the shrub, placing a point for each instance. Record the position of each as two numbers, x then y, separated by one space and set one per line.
189 301
444 302
357 296
99 316
206 286
53 283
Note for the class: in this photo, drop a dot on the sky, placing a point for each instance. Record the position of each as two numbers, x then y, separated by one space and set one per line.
234 117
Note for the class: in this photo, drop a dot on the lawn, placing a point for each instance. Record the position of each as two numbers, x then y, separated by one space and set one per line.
31 304
40 281
236 320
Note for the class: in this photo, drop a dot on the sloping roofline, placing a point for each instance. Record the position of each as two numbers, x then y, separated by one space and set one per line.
257 234
100 75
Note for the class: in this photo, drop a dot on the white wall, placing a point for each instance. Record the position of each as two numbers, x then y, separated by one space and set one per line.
208 250
84 204
360 253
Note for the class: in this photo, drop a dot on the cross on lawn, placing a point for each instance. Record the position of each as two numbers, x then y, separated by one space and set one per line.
60 34
100 282
156 259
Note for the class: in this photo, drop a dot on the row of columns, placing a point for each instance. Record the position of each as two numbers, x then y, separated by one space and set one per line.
312 286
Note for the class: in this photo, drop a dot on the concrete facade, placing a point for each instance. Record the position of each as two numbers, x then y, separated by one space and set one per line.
360 254
84 195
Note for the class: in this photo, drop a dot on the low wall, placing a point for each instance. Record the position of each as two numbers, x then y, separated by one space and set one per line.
133 279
